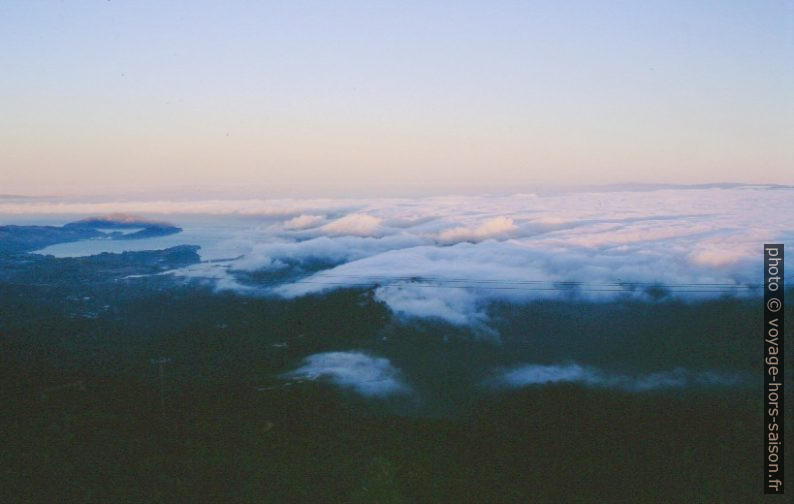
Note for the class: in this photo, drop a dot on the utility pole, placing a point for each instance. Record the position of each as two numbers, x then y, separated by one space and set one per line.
162 361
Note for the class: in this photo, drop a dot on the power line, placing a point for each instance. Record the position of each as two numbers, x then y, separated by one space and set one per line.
482 283
162 361
501 284
572 288
503 281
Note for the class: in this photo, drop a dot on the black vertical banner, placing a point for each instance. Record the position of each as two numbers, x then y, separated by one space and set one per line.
773 368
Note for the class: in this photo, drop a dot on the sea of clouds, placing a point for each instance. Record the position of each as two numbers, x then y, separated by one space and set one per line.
448 257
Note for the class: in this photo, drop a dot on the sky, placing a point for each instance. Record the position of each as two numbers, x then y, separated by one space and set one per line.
391 98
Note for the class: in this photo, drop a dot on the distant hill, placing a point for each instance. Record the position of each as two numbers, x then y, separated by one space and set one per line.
118 220
16 239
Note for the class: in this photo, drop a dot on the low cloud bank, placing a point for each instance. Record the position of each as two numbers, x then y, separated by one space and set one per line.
449 257
538 374
367 375
692 244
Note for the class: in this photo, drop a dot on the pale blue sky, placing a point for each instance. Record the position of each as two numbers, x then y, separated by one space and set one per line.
382 97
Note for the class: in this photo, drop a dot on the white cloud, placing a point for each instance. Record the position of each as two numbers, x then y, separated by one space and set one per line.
367 375
354 224
497 227
304 221
415 300
333 250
